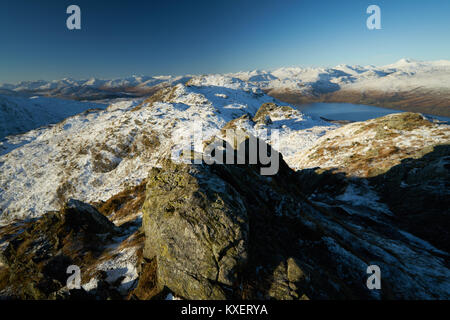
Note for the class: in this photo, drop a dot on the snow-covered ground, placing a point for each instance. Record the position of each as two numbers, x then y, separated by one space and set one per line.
371 147
95 155
21 114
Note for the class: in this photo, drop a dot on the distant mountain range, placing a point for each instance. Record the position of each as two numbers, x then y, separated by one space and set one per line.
406 85
93 89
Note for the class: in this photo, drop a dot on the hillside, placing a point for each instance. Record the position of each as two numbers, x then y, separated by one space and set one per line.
117 193
95 155
21 114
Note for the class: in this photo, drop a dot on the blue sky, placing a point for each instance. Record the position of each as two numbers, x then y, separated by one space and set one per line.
121 38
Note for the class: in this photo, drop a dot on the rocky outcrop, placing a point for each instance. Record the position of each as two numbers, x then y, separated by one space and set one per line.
268 110
40 251
406 160
225 231
197 227
371 148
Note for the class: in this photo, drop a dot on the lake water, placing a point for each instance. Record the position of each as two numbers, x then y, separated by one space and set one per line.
350 112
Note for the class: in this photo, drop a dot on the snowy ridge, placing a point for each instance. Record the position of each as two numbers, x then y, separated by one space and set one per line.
132 81
93 88
93 156
21 114
371 147
405 74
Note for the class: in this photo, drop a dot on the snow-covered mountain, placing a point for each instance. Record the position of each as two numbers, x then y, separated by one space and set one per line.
93 156
406 85
115 192
22 114
95 89
91 150
404 74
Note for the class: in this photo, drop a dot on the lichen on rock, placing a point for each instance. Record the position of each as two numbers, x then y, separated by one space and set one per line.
197 227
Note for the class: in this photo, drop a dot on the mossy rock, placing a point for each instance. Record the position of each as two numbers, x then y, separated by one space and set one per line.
266 109
37 258
196 227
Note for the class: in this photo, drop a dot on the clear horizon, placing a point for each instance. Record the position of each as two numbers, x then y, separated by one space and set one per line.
123 38
194 74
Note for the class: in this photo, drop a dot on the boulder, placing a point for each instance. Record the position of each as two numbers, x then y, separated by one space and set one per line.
196 225
37 256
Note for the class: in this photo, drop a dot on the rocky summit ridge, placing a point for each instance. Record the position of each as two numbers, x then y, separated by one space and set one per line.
147 224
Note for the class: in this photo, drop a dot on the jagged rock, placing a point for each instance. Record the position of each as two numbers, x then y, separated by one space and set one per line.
37 256
294 273
147 287
196 220
268 109
293 246
197 227
79 215
236 124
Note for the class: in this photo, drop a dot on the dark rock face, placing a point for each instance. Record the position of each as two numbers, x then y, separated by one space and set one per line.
225 231
418 193
37 256
81 216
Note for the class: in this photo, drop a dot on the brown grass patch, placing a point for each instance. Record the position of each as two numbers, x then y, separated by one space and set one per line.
147 287
124 204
